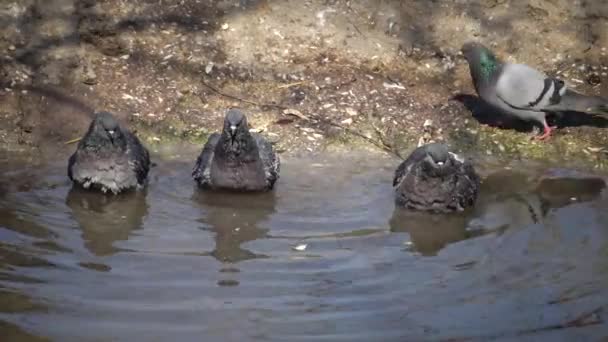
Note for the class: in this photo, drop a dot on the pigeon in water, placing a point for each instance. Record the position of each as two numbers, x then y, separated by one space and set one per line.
109 157
524 92
432 178
237 159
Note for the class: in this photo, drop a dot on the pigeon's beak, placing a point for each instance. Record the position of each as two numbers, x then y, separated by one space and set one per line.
233 133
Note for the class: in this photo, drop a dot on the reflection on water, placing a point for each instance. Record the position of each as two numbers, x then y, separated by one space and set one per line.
175 263
105 219
510 201
562 191
429 232
234 219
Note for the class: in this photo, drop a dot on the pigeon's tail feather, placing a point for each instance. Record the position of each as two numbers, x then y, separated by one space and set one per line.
573 101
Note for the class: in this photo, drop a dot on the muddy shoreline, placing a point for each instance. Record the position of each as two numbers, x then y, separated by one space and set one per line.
313 76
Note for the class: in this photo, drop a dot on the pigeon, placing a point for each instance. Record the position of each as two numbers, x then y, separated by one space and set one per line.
434 179
109 158
524 92
237 159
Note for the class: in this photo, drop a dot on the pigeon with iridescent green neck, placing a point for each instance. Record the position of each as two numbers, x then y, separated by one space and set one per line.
524 92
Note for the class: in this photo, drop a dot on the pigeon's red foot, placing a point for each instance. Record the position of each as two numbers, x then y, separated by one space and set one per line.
546 134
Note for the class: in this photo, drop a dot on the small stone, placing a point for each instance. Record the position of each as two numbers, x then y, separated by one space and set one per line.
209 68
351 111
347 121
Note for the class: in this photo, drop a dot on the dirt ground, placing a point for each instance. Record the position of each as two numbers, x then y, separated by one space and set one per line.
312 75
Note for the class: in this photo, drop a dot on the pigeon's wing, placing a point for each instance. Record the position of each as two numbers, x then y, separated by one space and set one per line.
71 163
139 157
203 162
414 158
270 159
523 87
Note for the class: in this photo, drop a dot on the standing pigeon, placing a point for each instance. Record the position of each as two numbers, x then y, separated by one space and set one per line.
524 92
109 157
237 159
432 178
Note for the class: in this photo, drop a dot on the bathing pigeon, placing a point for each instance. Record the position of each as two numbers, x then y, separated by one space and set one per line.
109 157
432 178
237 159
524 92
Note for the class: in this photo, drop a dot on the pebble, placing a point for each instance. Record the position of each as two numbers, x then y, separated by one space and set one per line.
209 68
351 111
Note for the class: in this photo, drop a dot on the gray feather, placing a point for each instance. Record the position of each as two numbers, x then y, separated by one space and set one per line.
424 182
523 87
271 160
522 91
109 163
237 159
573 101
202 168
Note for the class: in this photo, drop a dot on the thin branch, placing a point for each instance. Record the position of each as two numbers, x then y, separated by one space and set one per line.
290 84
217 91
75 140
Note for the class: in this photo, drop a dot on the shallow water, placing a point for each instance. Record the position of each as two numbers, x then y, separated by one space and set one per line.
529 262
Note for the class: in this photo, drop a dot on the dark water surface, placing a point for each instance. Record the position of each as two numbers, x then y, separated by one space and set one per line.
529 263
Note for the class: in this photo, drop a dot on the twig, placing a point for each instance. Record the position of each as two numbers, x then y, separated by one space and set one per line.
380 144
383 140
355 26
73 141
215 90
350 22
290 84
